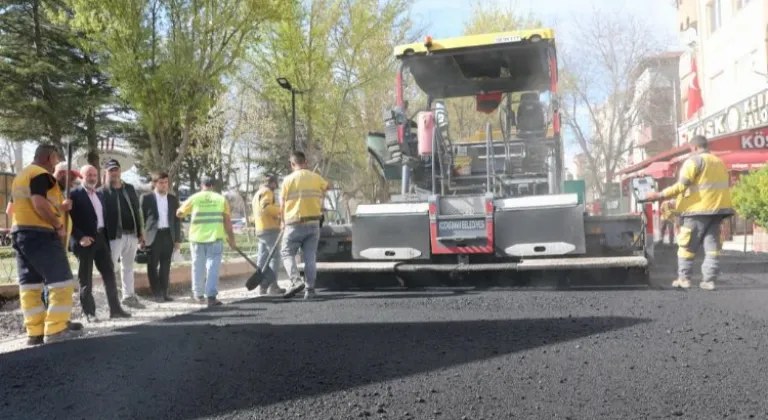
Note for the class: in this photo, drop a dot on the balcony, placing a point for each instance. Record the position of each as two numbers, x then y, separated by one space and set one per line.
657 138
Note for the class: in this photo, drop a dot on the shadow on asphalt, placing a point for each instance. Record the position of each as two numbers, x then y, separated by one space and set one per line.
180 370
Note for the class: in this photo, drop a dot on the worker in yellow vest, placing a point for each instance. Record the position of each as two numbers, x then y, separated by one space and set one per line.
38 234
266 215
704 201
668 221
302 196
209 225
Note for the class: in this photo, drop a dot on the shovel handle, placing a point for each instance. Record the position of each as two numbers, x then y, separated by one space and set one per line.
250 261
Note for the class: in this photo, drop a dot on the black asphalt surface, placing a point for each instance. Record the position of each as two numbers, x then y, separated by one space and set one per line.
495 354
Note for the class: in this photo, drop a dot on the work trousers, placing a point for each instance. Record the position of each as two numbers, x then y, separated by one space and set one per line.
267 240
97 254
206 260
668 225
123 255
304 237
42 260
159 263
697 232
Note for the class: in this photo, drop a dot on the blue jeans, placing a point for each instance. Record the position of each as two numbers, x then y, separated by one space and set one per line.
267 240
206 259
306 238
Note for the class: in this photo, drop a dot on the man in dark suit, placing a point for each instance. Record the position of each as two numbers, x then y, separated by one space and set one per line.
90 245
162 234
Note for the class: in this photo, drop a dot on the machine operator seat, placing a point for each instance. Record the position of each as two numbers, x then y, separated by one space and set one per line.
532 118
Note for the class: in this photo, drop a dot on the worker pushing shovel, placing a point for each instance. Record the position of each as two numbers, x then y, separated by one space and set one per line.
261 273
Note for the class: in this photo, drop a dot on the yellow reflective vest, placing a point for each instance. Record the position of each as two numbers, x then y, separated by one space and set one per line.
703 187
302 193
25 216
208 209
266 214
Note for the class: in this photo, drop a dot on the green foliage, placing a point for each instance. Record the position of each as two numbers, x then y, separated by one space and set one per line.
49 87
339 52
750 197
169 59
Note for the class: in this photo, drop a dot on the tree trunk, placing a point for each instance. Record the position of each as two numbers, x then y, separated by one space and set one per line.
92 139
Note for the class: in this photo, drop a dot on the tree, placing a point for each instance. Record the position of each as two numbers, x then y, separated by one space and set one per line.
750 197
38 70
169 59
7 156
339 52
238 124
602 101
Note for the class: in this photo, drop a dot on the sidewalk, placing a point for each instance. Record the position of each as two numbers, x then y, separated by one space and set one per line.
12 337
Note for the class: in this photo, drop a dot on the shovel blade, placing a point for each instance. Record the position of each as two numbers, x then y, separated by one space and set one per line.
255 280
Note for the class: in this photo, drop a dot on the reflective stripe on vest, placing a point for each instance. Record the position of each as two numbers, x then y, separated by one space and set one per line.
25 216
708 193
207 220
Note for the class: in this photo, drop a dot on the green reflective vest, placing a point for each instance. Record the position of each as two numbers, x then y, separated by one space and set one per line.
207 221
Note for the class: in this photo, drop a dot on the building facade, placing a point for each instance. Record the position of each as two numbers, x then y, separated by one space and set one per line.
724 95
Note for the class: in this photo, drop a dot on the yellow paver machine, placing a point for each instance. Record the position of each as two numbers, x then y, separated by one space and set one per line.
489 207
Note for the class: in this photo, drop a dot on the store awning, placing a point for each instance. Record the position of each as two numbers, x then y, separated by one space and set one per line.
742 160
659 170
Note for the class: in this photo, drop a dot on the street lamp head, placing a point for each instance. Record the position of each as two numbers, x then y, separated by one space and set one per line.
284 83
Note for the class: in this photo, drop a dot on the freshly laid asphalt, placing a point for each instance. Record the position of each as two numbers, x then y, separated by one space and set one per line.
439 354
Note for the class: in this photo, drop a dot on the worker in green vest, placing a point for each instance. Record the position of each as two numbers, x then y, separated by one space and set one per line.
209 225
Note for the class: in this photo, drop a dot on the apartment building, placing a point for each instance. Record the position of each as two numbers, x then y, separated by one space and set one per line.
724 88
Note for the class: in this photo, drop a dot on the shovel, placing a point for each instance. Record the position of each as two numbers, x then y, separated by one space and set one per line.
258 276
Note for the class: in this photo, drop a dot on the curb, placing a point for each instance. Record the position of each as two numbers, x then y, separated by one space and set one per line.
179 276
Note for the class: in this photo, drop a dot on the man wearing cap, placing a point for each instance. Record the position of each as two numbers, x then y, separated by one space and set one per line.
703 202
266 215
209 225
124 228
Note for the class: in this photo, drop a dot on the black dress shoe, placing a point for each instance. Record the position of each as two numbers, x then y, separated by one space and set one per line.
120 314
167 298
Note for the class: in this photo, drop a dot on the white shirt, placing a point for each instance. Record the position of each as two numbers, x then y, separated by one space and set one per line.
162 210
96 207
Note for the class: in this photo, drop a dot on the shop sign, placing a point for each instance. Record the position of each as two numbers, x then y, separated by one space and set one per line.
749 114
757 139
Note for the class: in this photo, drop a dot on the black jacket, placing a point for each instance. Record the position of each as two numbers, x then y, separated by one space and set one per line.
150 214
84 217
113 216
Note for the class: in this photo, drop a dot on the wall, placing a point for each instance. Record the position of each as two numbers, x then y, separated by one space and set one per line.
728 54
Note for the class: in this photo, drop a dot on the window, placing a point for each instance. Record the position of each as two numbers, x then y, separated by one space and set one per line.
715 15
745 76
741 3
717 91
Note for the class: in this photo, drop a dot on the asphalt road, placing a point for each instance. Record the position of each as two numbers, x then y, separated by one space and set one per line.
497 354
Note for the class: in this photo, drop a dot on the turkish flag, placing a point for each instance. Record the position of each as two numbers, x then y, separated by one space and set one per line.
695 102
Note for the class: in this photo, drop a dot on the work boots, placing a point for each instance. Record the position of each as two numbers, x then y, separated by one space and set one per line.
272 290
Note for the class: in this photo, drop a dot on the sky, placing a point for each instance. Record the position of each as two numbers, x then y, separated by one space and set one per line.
445 18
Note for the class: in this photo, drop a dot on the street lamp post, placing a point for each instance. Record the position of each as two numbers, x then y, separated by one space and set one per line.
285 84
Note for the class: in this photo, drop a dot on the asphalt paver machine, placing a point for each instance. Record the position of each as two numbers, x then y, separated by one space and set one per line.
492 209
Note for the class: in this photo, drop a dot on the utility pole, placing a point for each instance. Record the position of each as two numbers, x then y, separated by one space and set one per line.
285 84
